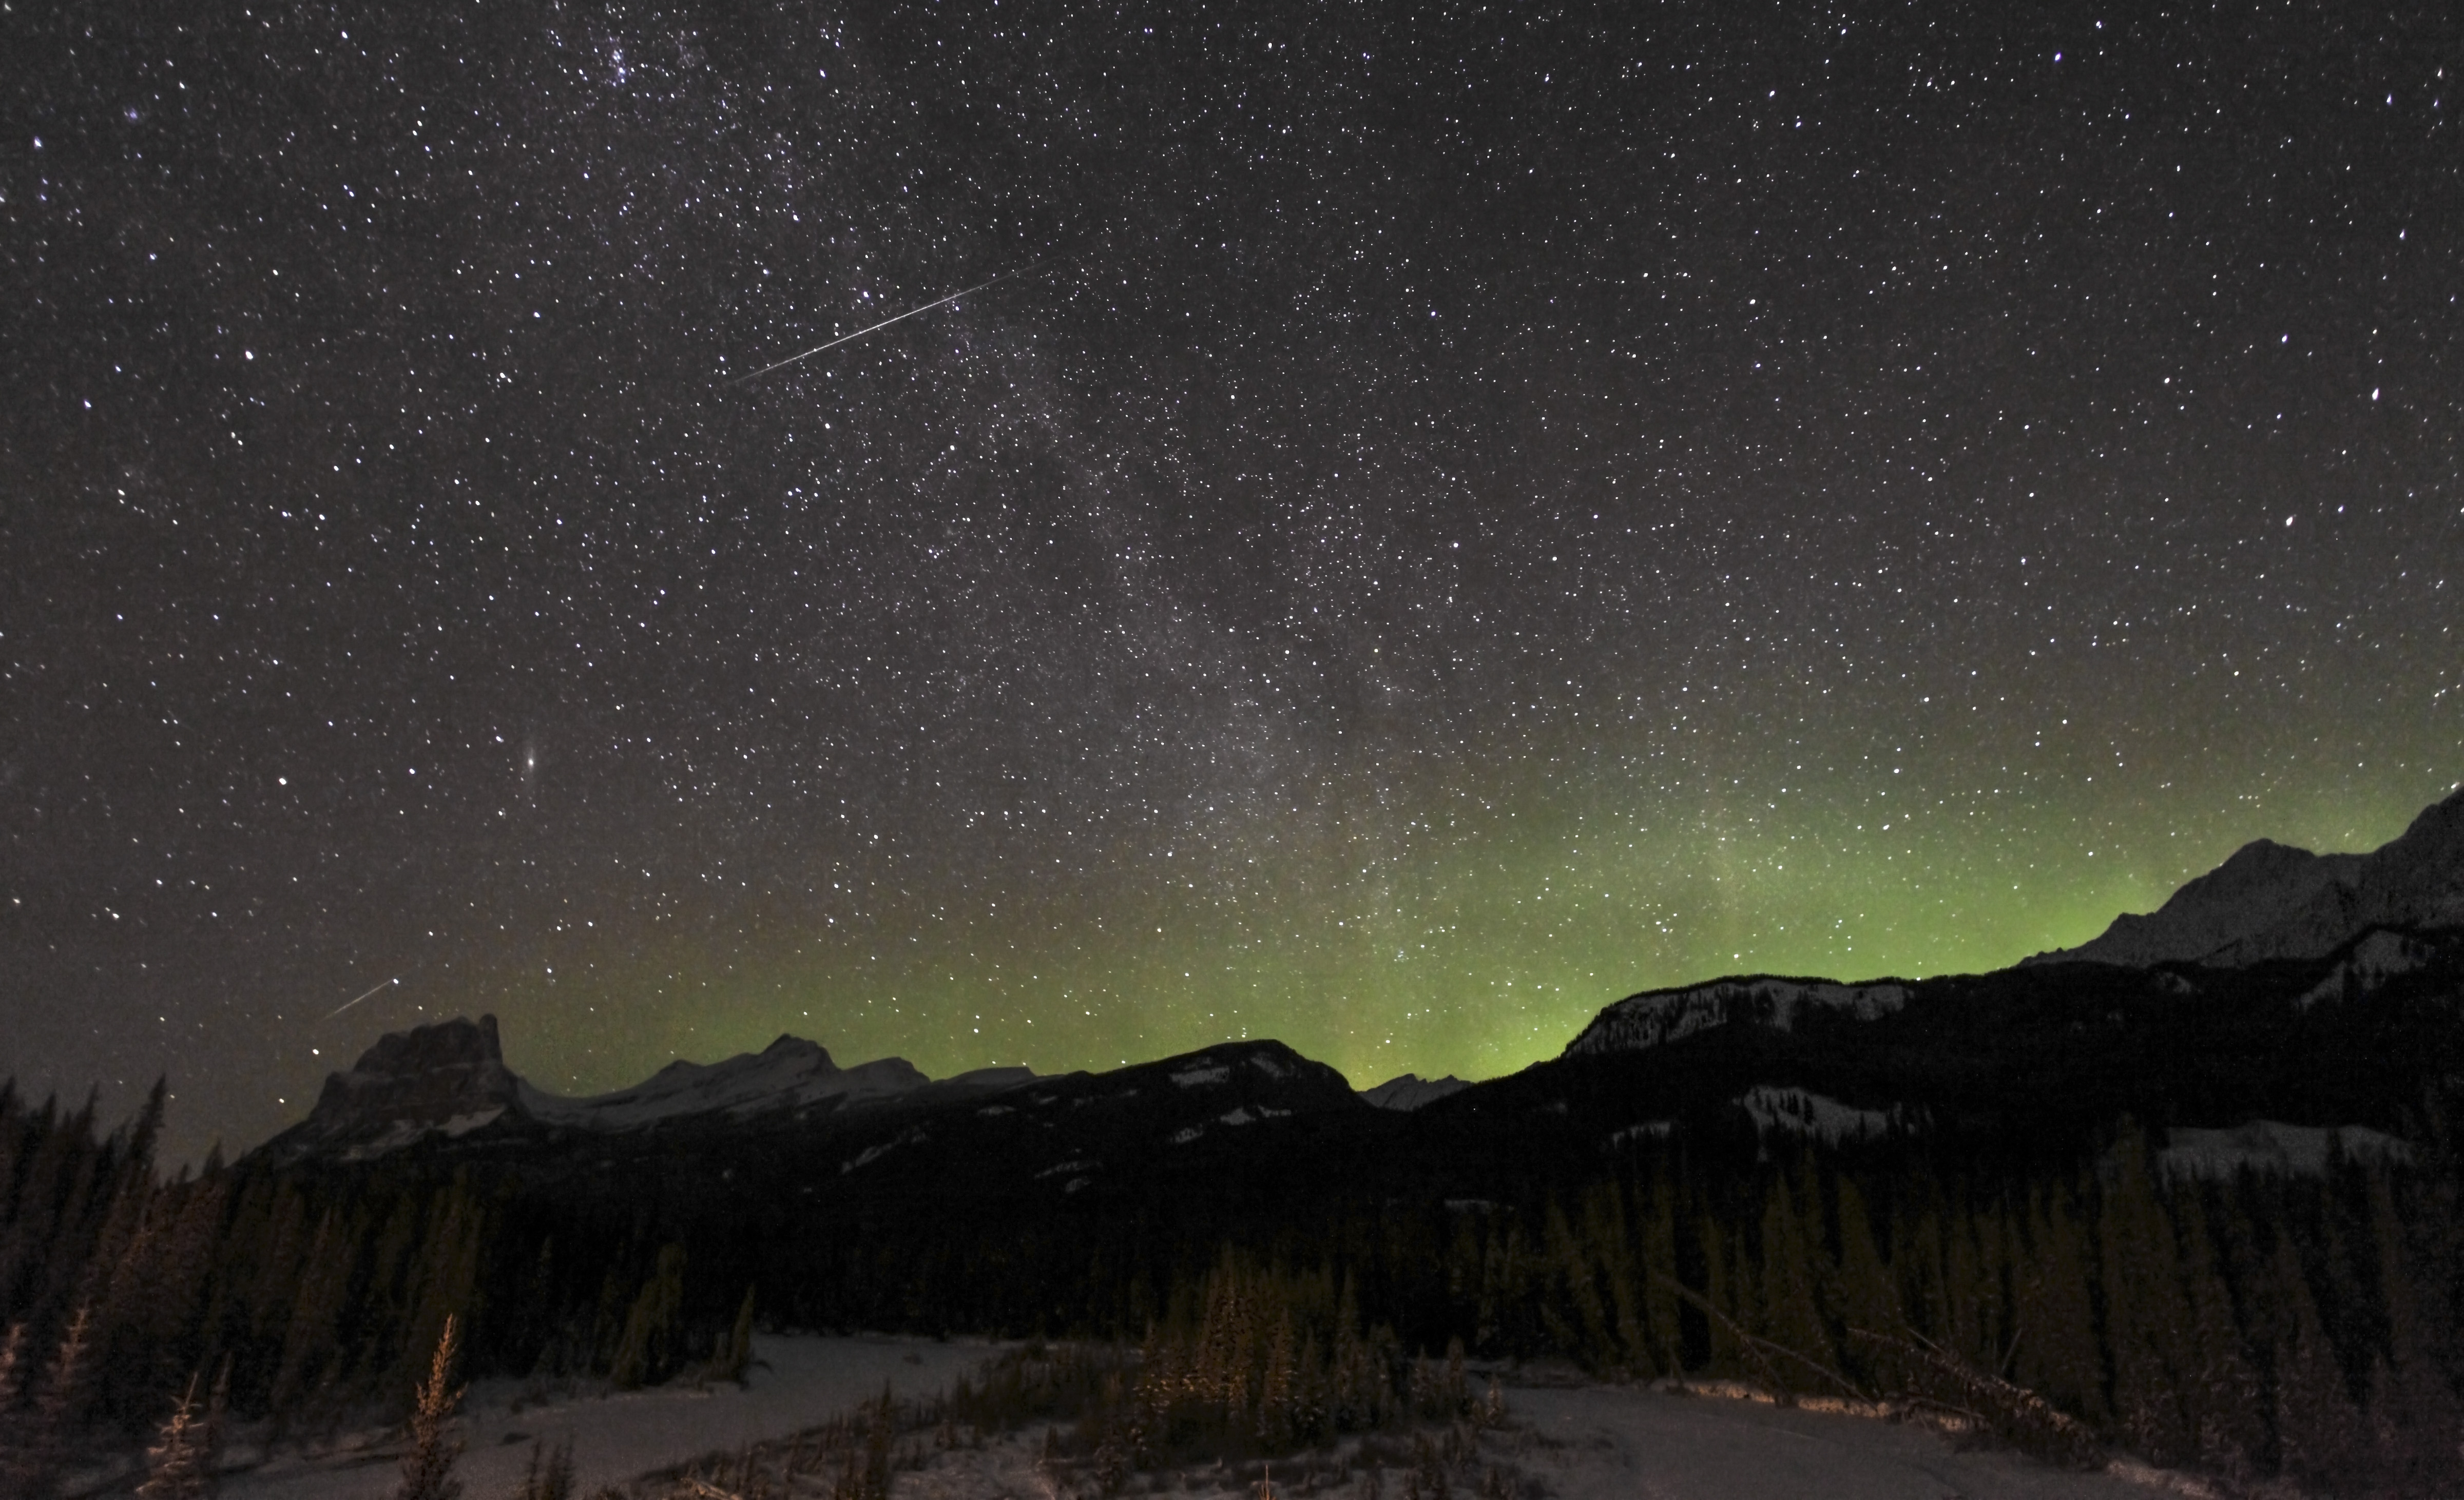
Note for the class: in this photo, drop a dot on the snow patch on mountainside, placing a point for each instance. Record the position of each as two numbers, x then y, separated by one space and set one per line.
788 1074
1410 1091
2375 959
1800 1112
1648 1130
463 1124
1661 1017
874 1153
2272 1147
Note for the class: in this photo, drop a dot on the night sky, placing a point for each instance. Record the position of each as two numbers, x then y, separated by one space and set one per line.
1449 517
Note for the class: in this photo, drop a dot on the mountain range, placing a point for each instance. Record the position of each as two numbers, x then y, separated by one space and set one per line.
450 1080
2280 996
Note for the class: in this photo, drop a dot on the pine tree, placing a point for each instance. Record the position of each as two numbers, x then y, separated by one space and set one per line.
736 1345
1726 1355
16 1473
2147 1321
1311 1416
13 1369
1790 1317
195 1228
1969 1295
271 1223
445 1278
1275 1426
1917 1271
647 1351
218 1416
427 1468
28 1230
2319 1434
309 1330
2055 1351
1868 1301
1658 1270
1605 1232
138 1165
1588 1338
60 1406
148 1299
2225 1409
1355 1402
2412 1408
176 1465
42 1229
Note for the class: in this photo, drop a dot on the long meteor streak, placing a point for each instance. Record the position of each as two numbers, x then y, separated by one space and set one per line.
878 327
356 999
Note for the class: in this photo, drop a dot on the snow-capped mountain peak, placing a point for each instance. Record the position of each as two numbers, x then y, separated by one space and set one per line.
1660 1016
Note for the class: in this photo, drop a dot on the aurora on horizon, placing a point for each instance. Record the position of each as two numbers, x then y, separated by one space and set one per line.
1466 517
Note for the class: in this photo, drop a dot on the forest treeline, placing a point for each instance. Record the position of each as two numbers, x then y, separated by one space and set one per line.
2307 1326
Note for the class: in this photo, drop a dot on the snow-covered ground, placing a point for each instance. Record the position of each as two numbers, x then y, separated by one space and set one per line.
1572 1441
1600 1441
797 1382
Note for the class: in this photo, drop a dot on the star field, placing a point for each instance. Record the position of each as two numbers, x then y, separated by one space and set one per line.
1452 516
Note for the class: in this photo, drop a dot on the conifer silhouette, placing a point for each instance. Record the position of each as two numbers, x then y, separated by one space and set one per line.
176 1465
13 1369
15 1469
646 1353
2319 1435
733 1356
427 1468
1789 1314
2148 1320
2054 1346
62 1401
313 1311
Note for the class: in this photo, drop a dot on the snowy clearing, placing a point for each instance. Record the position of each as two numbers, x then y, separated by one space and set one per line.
797 1381
1567 1440
1599 1442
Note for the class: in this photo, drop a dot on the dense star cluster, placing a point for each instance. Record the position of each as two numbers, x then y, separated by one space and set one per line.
1448 516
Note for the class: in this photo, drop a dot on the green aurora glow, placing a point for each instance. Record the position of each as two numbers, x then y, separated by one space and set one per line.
1467 928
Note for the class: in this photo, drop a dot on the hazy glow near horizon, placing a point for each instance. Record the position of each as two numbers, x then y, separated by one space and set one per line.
1474 952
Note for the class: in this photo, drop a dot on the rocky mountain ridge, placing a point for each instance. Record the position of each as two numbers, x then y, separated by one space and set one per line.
450 1080
2273 901
2226 1006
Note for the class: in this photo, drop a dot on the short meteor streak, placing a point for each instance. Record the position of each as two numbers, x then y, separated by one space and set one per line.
846 339
356 999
